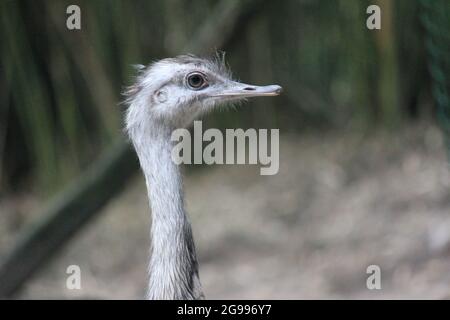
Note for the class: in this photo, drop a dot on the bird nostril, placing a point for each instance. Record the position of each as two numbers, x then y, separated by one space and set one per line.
249 89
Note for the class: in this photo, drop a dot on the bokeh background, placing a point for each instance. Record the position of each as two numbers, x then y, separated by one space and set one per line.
364 124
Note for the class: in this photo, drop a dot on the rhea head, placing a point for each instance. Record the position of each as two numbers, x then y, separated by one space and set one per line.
173 92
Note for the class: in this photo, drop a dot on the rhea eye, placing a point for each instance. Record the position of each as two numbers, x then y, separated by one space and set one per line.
196 80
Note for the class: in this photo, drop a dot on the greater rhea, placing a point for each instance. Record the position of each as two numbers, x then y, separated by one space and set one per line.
167 95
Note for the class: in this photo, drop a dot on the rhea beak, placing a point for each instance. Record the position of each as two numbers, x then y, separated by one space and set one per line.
242 90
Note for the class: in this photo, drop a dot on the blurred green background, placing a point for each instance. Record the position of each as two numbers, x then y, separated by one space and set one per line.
61 90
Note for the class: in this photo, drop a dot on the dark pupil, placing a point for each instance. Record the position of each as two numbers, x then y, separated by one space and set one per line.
195 81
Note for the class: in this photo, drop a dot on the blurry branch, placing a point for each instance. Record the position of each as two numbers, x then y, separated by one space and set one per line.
65 215
73 207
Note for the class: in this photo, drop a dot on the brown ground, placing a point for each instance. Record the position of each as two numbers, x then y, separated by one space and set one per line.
338 204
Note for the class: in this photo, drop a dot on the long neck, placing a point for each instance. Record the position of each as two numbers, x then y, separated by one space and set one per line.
173 267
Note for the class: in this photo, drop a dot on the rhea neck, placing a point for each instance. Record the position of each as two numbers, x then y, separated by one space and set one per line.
173 267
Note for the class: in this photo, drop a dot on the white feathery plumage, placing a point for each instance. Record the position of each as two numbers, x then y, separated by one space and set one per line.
166 95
